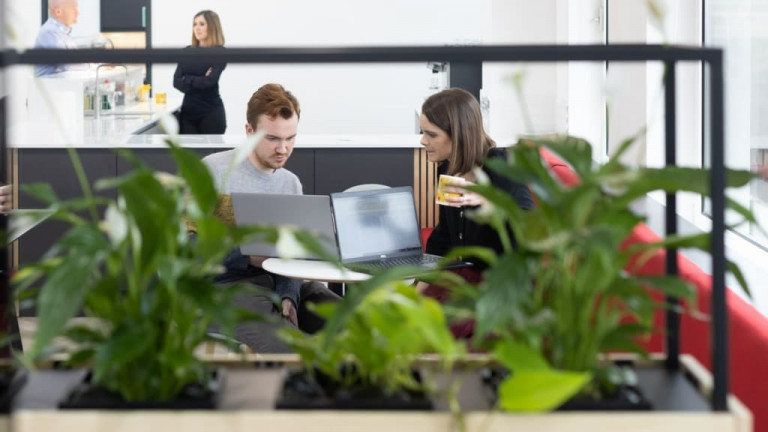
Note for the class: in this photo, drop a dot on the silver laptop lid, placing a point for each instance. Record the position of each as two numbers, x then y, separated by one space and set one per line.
306 212
376 224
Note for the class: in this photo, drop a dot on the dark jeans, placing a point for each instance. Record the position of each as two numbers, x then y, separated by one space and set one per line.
211 123
261 336
465 328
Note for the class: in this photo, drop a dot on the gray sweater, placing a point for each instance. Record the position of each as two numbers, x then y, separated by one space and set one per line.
247 178
244 177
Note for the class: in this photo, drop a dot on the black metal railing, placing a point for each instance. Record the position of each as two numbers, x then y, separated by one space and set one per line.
669 55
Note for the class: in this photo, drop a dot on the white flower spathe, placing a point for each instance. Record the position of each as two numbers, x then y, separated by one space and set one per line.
287 244
169 125
115 224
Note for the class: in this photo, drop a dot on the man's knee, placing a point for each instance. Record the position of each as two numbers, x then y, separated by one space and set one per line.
316 292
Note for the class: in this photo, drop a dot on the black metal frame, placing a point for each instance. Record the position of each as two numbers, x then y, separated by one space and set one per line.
670 55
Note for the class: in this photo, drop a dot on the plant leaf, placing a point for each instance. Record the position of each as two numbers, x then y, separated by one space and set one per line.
539 390
506 285
198 178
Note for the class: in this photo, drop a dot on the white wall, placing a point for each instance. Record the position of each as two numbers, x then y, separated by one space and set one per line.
585 85
23 20
355 98
523 22
340 98
626 82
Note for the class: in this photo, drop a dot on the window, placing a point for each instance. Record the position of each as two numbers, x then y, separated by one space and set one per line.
738 26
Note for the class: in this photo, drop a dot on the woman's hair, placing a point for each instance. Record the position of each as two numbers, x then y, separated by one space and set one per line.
271 100
457 113
215 33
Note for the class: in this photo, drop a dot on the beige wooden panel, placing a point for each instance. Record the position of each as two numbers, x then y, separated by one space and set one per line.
335 421
424 181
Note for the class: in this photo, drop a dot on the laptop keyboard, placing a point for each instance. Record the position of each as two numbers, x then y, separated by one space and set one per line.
415 260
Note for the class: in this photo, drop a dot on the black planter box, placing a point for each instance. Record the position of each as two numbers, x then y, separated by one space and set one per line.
192 397
301 392
626 397
11 381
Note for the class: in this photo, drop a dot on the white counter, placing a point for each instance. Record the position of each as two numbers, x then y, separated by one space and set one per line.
302 141
110 130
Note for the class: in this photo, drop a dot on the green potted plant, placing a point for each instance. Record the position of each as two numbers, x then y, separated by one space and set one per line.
365 357
144 285
548 309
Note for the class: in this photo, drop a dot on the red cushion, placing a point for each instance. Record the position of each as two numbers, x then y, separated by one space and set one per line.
562 171
425 233
747 330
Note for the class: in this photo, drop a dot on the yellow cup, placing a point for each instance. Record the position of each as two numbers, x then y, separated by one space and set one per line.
441 197
144 92
160 98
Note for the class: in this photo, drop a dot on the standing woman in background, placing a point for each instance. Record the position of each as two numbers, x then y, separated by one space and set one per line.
202 111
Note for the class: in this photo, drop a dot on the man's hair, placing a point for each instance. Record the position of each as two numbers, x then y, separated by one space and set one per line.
457 113
271 100
215 33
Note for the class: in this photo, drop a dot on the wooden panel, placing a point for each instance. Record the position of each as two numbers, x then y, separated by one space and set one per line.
424 181
371 421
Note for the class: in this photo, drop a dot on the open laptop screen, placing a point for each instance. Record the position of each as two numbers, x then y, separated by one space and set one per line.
306 212
372 224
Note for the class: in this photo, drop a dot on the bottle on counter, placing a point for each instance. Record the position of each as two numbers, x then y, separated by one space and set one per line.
89 99
144 92
106 96
120 93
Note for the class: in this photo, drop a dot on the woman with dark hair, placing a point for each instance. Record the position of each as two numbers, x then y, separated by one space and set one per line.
202 111
454 138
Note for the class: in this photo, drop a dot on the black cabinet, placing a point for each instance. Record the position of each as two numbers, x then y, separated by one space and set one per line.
54 167
321 172
159 159
339 169
302 163
124 15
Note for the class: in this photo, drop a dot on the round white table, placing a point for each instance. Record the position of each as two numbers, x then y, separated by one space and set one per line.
312 270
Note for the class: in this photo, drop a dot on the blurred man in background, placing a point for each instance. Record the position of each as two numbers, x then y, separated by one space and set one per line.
54 33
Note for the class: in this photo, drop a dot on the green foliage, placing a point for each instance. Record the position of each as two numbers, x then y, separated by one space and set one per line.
563 296
379 329
146 283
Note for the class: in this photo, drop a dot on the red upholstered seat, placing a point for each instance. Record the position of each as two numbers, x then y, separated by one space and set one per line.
747 328
425 233
562 171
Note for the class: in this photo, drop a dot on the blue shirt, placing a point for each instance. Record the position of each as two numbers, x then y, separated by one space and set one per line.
53 34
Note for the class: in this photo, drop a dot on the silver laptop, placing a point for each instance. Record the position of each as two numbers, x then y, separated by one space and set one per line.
378 229
307 212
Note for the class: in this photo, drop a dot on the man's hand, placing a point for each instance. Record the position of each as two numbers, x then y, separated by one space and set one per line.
421 286
289 312
256 260
6 199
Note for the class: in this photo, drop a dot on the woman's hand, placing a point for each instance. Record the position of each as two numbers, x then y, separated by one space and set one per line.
6 199
209 71
462 197
421 286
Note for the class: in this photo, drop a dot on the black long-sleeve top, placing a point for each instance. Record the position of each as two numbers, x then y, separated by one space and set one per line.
454 227
201 93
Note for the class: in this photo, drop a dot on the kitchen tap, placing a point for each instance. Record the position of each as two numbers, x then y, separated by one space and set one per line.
98 84
103 42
